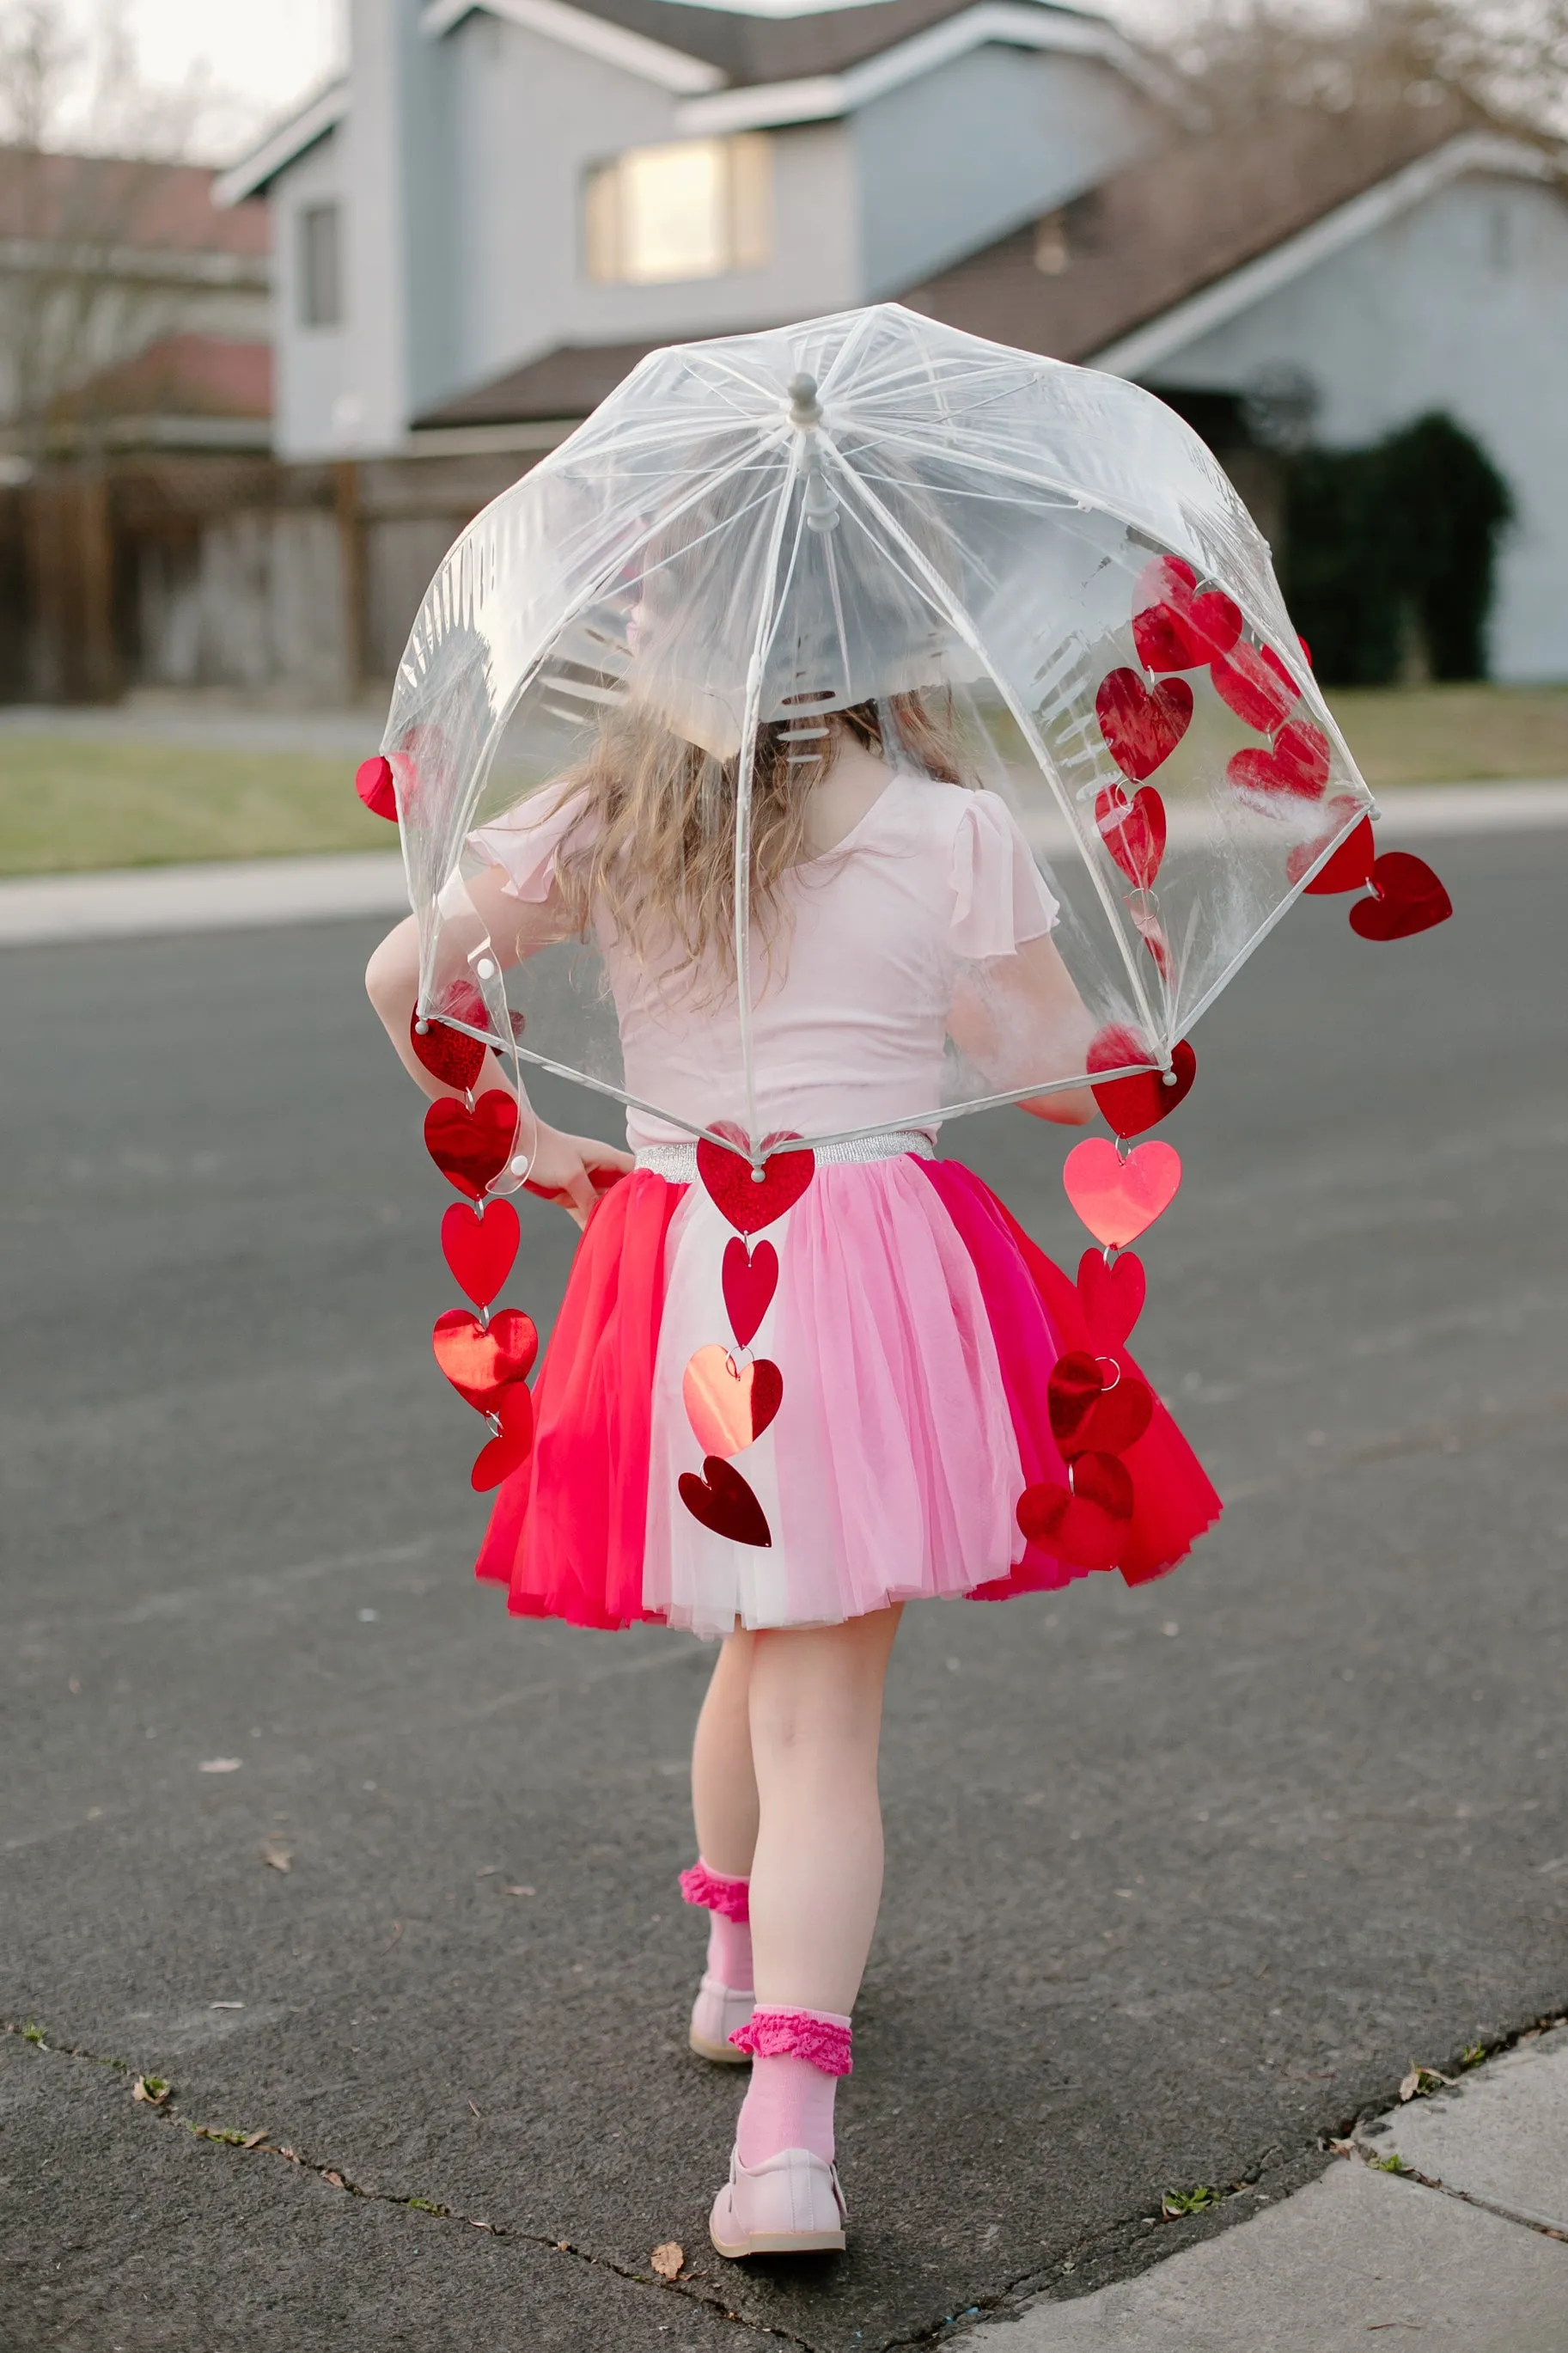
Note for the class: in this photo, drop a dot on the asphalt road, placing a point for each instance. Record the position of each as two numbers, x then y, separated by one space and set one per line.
1179 1879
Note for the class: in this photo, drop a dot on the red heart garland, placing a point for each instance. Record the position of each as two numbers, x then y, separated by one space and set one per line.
1172 626
736 1194
1145 910
446 1053
513 1443
1142 724
1350 864
1113 1296
374 785
1133 831
1120 1198
1132 1104
479 1250
1408 897
1297 762
1088 1414
1087 1522
471 1147
480 1360
750 1279
1256 686
724 1502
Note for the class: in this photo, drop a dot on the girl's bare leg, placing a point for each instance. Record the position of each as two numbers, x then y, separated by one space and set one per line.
816 1714
723 1785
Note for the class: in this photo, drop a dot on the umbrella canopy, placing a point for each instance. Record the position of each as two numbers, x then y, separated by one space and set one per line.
1006 572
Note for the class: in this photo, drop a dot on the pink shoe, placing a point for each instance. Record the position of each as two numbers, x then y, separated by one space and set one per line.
790 2205
718 2012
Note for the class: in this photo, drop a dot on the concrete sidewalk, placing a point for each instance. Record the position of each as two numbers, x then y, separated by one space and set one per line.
242 893
1449 2218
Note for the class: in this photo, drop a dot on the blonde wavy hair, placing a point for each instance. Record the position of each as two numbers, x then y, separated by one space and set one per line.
657 852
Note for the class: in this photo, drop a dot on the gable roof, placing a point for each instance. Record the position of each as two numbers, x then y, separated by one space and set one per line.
738 71
1193 218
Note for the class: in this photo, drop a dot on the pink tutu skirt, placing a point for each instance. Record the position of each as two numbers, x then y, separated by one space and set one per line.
914 1325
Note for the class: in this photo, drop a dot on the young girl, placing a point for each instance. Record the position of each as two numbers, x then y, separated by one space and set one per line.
914 1322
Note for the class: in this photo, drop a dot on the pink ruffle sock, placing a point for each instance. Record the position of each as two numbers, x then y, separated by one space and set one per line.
798 2057
727 1901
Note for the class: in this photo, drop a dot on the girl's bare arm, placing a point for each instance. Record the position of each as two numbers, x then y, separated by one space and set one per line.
1023 1023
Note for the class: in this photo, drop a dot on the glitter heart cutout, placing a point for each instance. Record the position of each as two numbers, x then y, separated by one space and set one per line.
747 1202
512 1444
1255 684
1119 1199
1296 762
1113 1296
471 1147
1142 724
728 1404
374 785
479 1250
724 1502
1085 1524
750 1279
1132 1104
1133 831
479 1360
1175 627
1350 864
1408 897
446 1053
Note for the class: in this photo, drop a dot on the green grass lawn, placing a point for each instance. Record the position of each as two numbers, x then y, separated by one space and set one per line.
69 803
73 803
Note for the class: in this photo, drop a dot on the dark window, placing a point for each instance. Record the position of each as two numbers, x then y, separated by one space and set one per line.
320 266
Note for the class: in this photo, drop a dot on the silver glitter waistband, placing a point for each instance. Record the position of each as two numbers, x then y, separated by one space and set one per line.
677 1163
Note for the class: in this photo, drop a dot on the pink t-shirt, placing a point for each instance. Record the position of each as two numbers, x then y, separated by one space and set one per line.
849 1022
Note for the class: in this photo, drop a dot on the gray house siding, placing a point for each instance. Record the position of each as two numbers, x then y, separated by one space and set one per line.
969 153
312 363
1462 304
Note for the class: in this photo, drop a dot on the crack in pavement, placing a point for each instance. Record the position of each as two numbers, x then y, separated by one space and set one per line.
695 2287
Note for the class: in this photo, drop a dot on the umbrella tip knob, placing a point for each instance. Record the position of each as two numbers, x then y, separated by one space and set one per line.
803 408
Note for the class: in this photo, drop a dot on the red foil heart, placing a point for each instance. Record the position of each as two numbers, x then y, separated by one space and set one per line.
736 1194
750 1279
1113 1296
1408 897
513 1443
1133 831
728 1404
374 785
1173 627
1142 724
1085 1524
479 1250
471 1147
724 1502
1130 1105
446 1053
1256 686
1296 762
1094 1407
1350 864
480 1360
1119 1200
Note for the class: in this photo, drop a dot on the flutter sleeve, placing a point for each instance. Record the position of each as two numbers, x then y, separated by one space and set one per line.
526 842
999 899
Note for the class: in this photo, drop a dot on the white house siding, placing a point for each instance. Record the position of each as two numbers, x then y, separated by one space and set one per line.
313 365
1459 304
533 118
972 150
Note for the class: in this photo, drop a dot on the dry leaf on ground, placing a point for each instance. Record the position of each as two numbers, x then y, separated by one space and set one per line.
276 1855
151 2090
667 2260
220 1765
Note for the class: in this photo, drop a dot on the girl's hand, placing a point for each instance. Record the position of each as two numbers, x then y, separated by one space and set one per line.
574 1170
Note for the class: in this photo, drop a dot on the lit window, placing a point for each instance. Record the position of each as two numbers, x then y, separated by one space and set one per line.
693 209
321 267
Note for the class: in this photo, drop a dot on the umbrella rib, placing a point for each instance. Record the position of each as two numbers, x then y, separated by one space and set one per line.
771 607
